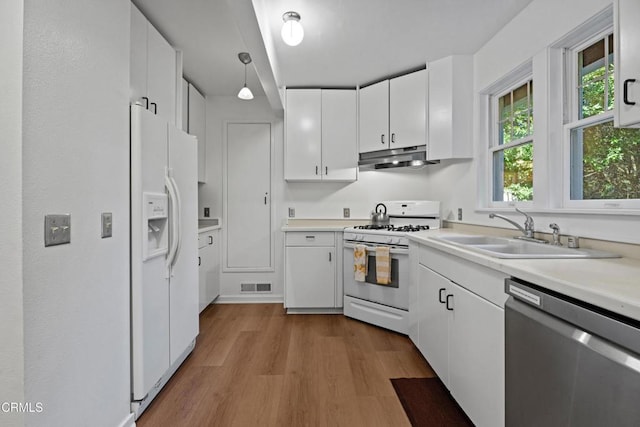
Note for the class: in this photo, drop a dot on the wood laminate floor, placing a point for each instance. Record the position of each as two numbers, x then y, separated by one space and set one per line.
254 365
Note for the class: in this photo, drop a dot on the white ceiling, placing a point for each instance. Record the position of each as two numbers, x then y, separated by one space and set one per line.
347 42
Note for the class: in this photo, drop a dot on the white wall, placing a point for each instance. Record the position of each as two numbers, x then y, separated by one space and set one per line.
222 109
11 325
76 151
311 200
528 35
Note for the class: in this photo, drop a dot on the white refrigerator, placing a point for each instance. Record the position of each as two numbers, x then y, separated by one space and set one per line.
164 252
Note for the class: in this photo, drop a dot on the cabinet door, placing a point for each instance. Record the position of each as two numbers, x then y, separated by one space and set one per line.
476 362
197 128
138 55
450 112
407 109
161 75
213 273
203 268
185 106
303 156
339 135
374 117
433 339
627 69
310 277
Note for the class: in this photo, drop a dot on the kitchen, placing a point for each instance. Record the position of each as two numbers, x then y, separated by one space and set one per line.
67 311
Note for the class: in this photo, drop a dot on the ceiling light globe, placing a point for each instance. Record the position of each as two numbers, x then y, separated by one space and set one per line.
292 32
245 93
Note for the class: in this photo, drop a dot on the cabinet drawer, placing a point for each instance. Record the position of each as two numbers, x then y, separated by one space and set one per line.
482 281
205 239
310 238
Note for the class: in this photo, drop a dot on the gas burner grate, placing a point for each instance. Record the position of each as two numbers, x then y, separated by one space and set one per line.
391 227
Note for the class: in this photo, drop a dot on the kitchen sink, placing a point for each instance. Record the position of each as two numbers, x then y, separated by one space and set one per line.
500 247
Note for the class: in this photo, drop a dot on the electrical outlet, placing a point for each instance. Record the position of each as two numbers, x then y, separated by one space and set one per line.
346 212
459 214
206 212
292 213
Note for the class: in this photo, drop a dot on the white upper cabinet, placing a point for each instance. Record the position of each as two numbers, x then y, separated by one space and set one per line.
407 115
374 117
339 135
321 135
185 105
303 153
627 67
450 112
153 68
197 127
393 113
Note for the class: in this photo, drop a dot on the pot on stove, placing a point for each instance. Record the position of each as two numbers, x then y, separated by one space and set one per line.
379 215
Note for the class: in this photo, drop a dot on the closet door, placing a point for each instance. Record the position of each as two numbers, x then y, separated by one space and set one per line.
248 243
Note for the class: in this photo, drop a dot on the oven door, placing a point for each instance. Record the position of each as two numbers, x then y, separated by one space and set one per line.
395 294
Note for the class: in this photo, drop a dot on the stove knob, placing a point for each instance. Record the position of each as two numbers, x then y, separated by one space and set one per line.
390 240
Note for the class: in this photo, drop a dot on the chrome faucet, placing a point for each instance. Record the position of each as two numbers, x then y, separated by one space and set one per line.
527 230
556 234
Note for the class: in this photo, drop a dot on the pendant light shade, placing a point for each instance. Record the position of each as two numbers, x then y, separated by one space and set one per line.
245 92
292 32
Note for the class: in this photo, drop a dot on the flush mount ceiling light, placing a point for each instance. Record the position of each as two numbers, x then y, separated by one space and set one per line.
292 32
245 92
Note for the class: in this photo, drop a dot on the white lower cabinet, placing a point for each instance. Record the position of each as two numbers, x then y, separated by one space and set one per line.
311 279
208 267
458 326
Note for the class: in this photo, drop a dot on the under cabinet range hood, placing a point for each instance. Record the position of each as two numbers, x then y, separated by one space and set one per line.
395 158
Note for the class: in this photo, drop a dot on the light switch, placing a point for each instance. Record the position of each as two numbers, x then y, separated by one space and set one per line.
57 229
107 224
292 213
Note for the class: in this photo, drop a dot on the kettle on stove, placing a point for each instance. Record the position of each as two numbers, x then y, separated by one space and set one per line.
379 215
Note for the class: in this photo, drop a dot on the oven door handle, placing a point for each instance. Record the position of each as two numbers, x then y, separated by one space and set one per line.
397 251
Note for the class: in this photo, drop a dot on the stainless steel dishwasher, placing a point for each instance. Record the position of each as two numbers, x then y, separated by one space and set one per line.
568 363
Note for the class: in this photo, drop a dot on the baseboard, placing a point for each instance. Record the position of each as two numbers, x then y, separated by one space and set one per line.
314 311
250 299
129 421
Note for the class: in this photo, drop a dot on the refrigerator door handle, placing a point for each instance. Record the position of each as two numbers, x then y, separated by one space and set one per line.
173 241
178 218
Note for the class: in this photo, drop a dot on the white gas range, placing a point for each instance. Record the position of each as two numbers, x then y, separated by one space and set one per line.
385 305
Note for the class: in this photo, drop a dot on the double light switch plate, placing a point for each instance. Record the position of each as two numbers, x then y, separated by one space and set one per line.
57 229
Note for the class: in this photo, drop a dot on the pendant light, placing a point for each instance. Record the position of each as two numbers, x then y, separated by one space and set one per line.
292 32
245 92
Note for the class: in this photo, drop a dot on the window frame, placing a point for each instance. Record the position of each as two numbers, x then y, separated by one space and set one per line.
572 122
494 137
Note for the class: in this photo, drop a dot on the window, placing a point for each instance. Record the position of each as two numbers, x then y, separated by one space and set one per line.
603 161
511 150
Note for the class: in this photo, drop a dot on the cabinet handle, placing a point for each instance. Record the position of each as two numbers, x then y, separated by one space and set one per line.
625 92
450 308
146 102
326 170
382 138
393 138
211 240
316 170
155 107
440 295
199 261
310 237
329 256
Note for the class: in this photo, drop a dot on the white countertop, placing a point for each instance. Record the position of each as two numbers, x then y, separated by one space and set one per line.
321 224
208 224
612 284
